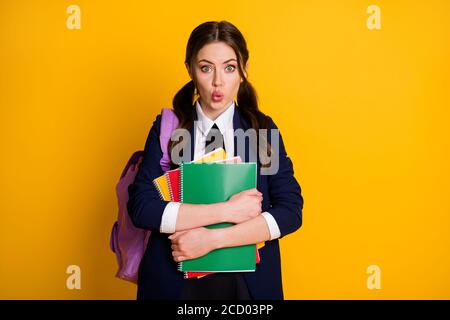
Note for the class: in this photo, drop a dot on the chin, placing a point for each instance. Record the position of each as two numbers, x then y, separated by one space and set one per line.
220 105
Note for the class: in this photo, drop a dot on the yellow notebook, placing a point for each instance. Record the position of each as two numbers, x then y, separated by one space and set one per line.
162 186
218 154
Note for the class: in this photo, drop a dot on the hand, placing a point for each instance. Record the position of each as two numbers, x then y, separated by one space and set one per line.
191 244
244 206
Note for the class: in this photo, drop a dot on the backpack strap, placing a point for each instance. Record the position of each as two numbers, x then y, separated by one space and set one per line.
169 122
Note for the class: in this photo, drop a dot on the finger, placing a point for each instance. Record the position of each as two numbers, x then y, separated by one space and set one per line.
173 236
176 235
177 253
256 192
179 258
250 192
175 247
257 197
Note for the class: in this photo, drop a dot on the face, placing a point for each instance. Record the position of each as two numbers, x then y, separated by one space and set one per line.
215 71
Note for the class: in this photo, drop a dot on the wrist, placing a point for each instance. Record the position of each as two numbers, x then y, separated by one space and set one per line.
221 209
217 238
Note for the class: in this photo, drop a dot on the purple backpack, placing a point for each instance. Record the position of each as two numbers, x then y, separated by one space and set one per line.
127 241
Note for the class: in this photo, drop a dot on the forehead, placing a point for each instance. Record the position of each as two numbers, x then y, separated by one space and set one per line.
216 52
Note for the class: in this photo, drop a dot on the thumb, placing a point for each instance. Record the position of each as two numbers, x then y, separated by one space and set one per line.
175 235
252 191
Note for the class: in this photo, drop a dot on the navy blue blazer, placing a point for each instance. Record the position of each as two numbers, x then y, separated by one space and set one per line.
158 276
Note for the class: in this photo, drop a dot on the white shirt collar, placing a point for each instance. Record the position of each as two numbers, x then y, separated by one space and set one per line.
224 121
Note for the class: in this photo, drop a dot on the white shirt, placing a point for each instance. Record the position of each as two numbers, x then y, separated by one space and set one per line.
202 126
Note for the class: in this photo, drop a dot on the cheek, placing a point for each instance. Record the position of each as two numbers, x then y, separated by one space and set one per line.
235 83
203 83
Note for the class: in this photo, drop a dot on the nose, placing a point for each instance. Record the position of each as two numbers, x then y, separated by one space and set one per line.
217 80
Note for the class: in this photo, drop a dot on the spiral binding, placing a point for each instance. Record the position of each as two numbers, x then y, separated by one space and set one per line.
155 183
181 181
166 175
180 264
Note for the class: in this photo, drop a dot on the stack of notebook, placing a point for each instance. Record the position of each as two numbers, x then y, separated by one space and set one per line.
192 183
168 185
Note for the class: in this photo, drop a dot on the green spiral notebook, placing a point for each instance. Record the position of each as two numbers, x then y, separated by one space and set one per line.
204 183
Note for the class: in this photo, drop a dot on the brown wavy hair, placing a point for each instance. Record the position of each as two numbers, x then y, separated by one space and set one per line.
247 100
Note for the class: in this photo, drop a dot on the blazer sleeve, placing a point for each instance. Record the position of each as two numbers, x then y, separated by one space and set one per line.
145 206
286 201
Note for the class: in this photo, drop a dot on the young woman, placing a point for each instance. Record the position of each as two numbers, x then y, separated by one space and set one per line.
217 63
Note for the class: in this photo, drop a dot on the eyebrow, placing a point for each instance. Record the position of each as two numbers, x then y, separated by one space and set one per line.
213 63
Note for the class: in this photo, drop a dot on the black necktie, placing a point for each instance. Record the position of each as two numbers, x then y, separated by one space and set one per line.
214 139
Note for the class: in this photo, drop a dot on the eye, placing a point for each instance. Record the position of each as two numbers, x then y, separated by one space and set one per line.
205 68
232 68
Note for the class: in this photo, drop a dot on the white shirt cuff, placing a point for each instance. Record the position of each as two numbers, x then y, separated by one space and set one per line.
169 217
272 224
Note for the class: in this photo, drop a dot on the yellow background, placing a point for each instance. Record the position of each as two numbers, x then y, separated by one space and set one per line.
364 115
